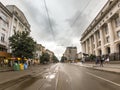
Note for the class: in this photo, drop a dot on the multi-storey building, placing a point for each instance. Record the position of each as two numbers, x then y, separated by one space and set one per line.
51 54
5 25
18 21
71 53
102 37
39 51
11 19
80 55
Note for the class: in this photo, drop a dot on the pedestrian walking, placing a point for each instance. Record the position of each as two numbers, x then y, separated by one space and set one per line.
107 60
102 61
83 60
96 61
1 63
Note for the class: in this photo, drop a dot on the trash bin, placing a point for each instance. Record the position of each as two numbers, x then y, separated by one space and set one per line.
16 67
25 66
21 66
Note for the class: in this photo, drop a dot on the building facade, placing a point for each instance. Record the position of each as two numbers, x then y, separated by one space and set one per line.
70 53
51 54
18 21
102 37
5 25
39 51
80 55
11 19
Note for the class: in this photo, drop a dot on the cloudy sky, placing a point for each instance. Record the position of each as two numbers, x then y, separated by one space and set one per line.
68 19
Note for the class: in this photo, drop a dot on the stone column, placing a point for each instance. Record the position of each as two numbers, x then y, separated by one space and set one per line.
102 41
111 35
86 46
83 47
95 41
90 44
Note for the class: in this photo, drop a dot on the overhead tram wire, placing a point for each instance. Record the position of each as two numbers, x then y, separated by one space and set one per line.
80 13
82 27
49 21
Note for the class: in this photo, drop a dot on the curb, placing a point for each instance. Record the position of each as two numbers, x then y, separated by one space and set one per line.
101 70
13 79
6 70
19 77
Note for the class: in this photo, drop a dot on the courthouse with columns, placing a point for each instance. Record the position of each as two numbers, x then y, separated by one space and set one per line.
102 37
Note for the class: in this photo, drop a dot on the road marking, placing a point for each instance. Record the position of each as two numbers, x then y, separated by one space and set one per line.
103 79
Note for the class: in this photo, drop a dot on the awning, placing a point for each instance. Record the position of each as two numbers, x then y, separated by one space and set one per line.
5 54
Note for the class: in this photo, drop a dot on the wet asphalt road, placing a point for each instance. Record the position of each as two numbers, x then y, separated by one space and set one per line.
65 77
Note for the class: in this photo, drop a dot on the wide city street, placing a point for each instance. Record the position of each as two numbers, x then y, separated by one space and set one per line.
64 76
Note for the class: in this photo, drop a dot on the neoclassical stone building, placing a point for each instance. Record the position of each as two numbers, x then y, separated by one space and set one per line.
102 37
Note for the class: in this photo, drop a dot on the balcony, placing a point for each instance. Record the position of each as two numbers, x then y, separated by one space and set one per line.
3 43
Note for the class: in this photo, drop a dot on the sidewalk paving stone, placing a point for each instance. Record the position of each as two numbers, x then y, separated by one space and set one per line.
114 68
12 75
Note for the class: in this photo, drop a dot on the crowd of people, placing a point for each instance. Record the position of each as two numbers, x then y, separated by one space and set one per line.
102 60
99 60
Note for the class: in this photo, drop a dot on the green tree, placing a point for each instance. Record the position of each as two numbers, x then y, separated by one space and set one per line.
92 57
55 59
22 44
63 59
45 58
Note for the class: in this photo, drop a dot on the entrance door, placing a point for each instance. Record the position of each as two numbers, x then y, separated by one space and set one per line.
119 51
108 50
100 52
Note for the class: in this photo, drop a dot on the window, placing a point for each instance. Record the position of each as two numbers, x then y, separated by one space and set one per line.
16 12
69 50
92 39
108 39
118 34
25 29
99 43
3 16
14 28
110 2
94 46
117 21
5 24
98 34
20 25
106 29
15 20
2 37
3 29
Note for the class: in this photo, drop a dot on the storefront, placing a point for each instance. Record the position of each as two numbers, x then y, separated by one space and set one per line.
4 58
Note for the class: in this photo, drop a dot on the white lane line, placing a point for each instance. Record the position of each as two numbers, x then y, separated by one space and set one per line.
103 79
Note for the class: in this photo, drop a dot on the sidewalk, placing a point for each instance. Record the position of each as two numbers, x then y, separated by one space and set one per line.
12 75
31 71
114 68
4 69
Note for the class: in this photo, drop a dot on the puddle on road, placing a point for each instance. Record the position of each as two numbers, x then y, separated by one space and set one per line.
50 76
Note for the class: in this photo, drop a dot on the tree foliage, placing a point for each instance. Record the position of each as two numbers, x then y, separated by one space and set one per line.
45 58
55 59
22 44
92 57
63 59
